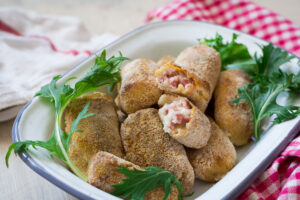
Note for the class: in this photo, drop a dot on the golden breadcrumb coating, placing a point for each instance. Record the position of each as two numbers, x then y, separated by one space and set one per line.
235 120
138 88
196 132
165 60
100 132
146 144
102 174
203 63
213 161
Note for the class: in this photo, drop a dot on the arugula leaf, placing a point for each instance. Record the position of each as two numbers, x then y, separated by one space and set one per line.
51 144
138 183
104 72
271 60
262 100
268 82
267 68
82 115
189 195
295 84
234 55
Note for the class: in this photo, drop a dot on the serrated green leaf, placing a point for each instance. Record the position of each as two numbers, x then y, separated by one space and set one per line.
138 183
82 115
234 55
271 60
104 72
295 83
50 145
262 99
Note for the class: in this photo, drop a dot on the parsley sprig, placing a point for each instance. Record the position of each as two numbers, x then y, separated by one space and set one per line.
262 100
268 80
104 72
233 54
139 182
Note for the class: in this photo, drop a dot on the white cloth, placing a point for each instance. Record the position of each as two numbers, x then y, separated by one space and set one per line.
28 61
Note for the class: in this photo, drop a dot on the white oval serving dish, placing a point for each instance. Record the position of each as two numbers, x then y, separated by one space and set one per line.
35 120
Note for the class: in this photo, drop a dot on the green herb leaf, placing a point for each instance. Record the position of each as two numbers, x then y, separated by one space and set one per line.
268 81
20 146
82 115
104 72
295 84
234 55
138 183
51 144
189 195
262 99
271 60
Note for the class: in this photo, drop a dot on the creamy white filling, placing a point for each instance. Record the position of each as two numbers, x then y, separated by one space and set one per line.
175 79
176 113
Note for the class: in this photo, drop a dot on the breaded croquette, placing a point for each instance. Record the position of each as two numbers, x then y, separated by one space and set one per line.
100 132
193 74
236 120
146 144
138 89
102 174
213 161
184 121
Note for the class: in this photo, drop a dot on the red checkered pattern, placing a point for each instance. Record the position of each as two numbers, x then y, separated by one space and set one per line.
282 180
241 15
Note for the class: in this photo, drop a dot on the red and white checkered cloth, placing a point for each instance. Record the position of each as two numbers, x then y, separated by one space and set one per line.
241 15
282 179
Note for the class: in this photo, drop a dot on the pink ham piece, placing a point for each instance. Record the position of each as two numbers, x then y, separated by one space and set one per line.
183 121
193 74
175 78
177 113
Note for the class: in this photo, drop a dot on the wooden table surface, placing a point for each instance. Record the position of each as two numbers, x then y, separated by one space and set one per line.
19 182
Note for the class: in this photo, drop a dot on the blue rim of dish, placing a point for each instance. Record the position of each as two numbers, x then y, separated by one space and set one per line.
29 161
